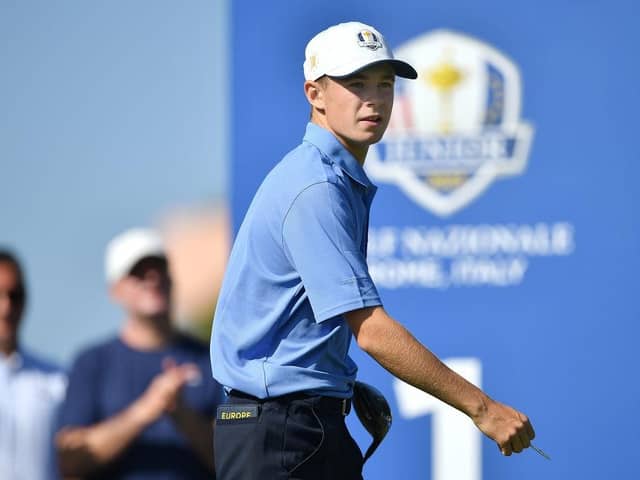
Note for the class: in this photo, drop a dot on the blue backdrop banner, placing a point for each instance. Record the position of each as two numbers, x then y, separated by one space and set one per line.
505 233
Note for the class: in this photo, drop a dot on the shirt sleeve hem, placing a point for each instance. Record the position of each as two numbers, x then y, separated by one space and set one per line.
347 307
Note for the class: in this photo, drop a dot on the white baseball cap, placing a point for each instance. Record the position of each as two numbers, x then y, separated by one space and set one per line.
128 248
345 48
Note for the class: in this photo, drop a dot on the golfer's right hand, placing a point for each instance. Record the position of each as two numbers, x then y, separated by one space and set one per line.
509 428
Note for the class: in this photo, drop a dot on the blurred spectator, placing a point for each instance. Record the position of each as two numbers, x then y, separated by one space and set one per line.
198 241
140 405
31 389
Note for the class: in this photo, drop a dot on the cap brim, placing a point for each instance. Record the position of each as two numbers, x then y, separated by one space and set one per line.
400 68
403 69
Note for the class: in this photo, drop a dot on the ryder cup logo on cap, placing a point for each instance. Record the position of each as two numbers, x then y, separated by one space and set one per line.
128 248
346 48
367 38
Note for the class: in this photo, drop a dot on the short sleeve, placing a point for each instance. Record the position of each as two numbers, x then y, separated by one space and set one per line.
79 407
321 240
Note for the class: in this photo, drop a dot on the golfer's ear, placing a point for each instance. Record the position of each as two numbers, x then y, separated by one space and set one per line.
315 94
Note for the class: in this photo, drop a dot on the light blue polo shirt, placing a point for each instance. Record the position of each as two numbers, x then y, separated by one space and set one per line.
298 263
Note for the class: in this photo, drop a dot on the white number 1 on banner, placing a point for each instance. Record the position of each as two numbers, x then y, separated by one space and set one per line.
456 452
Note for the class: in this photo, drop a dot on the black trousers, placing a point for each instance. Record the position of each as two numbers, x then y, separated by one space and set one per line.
291 437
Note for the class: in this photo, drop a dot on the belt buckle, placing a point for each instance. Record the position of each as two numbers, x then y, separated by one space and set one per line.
345 407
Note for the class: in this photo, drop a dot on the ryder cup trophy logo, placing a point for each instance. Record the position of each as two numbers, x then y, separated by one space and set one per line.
455 129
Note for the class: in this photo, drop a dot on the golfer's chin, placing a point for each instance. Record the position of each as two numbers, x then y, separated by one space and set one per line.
371 134
368 137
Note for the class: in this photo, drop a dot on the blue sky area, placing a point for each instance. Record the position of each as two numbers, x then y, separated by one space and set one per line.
113 113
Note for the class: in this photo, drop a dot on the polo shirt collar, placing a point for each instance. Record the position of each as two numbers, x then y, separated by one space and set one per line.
12 362
330 146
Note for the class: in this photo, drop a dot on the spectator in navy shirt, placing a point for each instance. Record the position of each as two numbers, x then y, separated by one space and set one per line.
140 405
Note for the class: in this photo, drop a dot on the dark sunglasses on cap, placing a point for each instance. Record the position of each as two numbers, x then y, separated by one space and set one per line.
139 270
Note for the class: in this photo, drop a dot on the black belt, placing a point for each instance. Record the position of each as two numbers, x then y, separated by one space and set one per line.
333 404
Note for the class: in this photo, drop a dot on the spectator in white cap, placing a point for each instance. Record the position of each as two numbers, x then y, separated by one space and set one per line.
139 405
297 289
